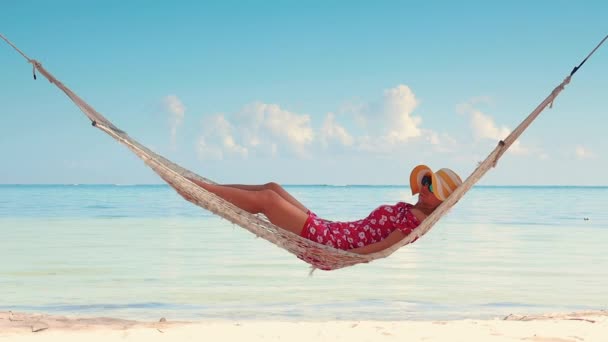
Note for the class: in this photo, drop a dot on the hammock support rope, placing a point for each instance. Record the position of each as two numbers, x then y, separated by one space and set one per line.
318 255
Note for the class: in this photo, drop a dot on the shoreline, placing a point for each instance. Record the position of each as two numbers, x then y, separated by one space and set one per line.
557 327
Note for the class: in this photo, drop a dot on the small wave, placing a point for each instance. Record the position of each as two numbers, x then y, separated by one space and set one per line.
99 206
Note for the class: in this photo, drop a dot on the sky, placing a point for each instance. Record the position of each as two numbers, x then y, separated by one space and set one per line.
304 92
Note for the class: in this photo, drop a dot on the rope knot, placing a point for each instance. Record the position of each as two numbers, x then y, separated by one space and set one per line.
35 65
558 89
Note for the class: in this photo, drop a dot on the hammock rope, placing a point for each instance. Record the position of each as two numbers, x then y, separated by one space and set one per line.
318 255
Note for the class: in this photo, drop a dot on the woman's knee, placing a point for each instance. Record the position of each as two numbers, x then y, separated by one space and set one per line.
273 186
269 198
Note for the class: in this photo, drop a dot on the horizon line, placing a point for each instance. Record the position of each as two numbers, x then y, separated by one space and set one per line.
307 184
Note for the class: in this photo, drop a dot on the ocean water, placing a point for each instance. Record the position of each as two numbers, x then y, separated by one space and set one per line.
142 252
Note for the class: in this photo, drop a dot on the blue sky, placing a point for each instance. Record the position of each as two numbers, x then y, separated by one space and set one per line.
327 92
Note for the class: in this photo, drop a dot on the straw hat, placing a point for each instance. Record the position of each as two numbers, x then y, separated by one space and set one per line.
444 181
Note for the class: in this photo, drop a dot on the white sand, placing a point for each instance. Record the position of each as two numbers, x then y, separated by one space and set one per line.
574 327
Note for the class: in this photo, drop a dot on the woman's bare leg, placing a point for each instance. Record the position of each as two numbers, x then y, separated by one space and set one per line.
279 211
274 187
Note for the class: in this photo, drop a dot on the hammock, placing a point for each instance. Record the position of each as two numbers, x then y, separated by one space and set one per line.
318 255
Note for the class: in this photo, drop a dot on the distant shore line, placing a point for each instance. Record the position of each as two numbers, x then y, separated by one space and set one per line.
295 185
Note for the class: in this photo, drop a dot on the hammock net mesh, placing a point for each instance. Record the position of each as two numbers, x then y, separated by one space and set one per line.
318 255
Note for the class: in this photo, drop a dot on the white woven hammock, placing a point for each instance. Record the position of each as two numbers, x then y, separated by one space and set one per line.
318 255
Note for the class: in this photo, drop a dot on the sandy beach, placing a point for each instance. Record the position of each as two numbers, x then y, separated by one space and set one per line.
560 327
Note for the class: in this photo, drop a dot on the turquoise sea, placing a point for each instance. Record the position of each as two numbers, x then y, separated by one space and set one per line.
142 252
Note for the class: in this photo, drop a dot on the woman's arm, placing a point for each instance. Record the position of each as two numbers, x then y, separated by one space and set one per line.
390 240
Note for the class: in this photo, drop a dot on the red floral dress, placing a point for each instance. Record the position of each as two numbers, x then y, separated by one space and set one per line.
374 228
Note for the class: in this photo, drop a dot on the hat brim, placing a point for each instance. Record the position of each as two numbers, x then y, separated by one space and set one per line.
416 177
444 181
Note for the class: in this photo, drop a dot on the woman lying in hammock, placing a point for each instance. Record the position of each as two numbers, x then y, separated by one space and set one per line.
382 228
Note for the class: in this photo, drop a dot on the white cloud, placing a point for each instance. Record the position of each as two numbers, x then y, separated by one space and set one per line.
396 115
583 152
385 125
233 147
484 127
381 127
264 129
206 151
220 132
332 131
176 110
290 127
440 142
